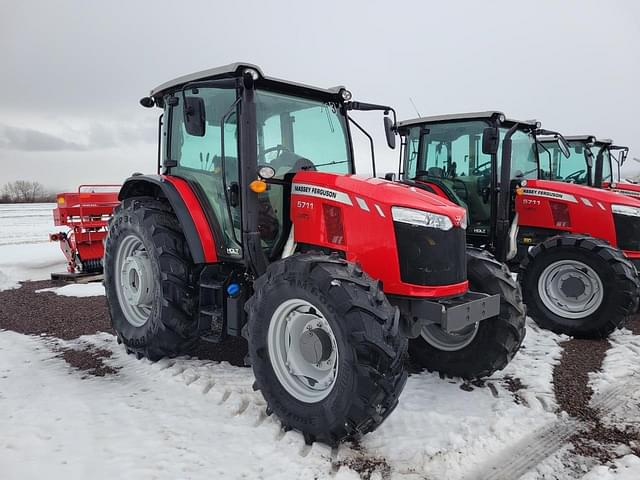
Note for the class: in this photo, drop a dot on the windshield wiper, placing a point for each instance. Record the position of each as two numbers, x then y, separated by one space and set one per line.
309 167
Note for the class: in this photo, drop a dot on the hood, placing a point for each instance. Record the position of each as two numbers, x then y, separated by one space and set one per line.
382 192
583 191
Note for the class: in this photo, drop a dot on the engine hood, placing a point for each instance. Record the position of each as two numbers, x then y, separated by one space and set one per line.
383 192
579 192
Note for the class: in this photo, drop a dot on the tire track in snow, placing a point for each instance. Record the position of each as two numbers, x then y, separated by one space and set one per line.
231 390
525 454
240 401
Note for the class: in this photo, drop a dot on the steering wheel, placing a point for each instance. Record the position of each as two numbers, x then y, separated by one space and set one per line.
575 175
480 169
430 173
280 149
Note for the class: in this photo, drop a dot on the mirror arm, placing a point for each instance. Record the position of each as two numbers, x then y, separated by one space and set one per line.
365 107
373 155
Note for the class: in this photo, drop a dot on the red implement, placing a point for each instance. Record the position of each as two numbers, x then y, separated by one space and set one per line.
87 213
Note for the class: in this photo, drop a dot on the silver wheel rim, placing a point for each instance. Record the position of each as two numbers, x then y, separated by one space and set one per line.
435 336
303 350
134 280
570 289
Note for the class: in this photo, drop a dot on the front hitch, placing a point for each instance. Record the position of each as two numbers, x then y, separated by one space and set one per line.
452 314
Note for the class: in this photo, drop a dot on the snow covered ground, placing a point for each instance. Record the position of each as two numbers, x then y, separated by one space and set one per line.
25 250
76 290
191 418
188 418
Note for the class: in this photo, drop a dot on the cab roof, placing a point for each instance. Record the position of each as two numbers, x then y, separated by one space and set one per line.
579 138
452 117
236 70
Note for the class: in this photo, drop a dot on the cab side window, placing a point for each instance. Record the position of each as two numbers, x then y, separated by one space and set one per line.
202 159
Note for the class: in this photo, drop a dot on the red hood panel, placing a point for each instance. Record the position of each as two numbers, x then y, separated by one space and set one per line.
384 192
597 194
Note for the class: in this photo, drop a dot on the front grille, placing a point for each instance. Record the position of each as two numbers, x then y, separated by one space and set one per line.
429 256
627 231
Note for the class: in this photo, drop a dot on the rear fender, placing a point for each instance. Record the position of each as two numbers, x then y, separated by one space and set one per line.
185 205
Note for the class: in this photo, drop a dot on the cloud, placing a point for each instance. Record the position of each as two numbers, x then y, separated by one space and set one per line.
96 136
30 140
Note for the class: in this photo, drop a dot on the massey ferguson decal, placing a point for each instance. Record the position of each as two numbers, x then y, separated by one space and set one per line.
626 192
538 192
320 192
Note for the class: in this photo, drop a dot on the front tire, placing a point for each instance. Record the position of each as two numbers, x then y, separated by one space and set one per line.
580 286
350 379
489 345
149 280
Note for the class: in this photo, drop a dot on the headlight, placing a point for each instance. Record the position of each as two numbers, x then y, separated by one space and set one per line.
625 210
463 222
424 219
266 172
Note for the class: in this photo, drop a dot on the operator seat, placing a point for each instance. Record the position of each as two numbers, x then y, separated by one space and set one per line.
287 162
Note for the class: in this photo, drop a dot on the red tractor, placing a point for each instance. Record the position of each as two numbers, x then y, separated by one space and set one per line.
86 213
256 225
570 244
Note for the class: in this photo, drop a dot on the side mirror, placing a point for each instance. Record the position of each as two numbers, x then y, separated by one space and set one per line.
622 156
390 176
490 139
589 156
389 131
564 146
194 116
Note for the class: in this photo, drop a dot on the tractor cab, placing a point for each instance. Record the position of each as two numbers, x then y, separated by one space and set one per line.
600 160
460 157
581 165
593 162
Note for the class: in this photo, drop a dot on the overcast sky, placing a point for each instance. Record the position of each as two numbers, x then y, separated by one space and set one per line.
73 71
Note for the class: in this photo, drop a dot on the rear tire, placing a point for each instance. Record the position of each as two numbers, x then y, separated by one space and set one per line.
495 340
598 266
146 257
369 355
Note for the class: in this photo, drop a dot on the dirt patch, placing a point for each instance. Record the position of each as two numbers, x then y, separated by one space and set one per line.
634 324
571 386
24 311
601 441
571 375
89 360
514 385
364 464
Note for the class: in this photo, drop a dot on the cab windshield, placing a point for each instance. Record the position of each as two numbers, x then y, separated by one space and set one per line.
524 156
607 175
450 156
572 169
298 134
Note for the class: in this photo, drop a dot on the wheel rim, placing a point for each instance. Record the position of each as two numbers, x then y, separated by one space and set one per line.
134 280
571 289
435 336
303 350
